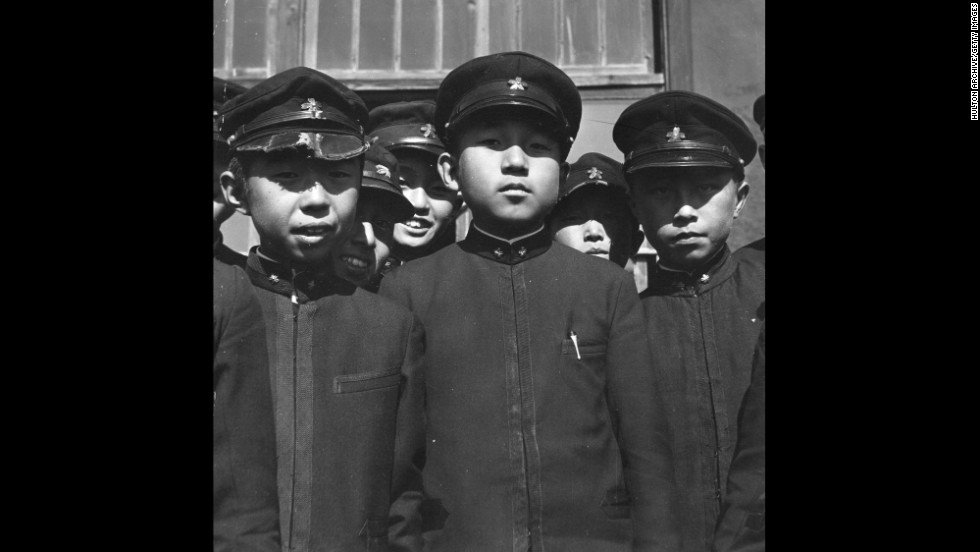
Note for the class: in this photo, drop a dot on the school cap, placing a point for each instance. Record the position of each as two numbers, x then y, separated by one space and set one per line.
380 181
405 125
223 91
682 129
596 170
298 108
759 112
513 79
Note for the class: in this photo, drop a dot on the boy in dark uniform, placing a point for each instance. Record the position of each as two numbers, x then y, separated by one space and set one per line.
344 363
246 510
405 129
543 429
223 91
363 257
593 214
685 157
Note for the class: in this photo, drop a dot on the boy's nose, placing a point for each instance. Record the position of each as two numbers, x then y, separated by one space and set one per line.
686 212
314 198
515 160
594 231
418 198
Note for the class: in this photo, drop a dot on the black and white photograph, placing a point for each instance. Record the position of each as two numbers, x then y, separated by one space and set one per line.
489 275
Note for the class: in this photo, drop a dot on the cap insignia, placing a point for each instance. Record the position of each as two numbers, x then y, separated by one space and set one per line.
594 172
675 135
427 130
313 107
383 170
517 84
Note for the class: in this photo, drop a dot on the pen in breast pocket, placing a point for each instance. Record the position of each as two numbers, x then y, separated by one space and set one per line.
574 339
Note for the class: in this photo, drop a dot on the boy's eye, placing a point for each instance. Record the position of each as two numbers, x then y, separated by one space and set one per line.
660 191
339 174
286 175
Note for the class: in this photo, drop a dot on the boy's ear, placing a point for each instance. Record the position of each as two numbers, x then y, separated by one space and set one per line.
448 169
231 198
742 193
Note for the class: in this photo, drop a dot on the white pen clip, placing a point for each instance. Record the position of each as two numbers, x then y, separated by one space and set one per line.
574 338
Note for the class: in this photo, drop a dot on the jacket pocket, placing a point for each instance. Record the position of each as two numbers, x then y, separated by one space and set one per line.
367 381
585 348
617 504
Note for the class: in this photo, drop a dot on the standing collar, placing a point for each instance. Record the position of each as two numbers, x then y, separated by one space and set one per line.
506 251
299 282
718 268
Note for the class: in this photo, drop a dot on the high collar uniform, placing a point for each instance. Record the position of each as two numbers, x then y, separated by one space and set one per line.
345 368
544 426
704 326
245 507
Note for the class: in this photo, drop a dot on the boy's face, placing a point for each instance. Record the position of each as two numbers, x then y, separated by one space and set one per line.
686 212
301 206
508 171
364 252
592 220
434 203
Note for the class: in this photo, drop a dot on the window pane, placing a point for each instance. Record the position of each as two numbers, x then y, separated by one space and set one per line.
538 26
334 35
418 34
249 49
219 33
503 22
624 32
581 33
459 32
377 24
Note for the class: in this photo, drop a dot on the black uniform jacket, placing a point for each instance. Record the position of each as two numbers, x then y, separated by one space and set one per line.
345 367
544 426
742 524
246 513
704 327
224 253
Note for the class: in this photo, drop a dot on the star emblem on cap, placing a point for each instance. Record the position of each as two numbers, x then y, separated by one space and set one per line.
517 84
427 130
675 135
594 172
312 106
383 170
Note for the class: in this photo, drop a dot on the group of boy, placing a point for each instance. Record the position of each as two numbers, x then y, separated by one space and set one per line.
505 392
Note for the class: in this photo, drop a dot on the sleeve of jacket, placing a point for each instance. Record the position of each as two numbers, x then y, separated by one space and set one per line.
641 424
405 522
741 524
246 512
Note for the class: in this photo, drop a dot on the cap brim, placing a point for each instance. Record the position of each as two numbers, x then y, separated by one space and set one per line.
605 185
678 158
393 202
331 147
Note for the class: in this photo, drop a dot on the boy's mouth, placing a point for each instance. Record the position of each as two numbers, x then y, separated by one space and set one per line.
686 237
515 189
354 264
597 251
312 234
416 223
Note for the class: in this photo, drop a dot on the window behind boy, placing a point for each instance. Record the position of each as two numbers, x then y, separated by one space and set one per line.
685 158
543 423
223 91
344 363
593 214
